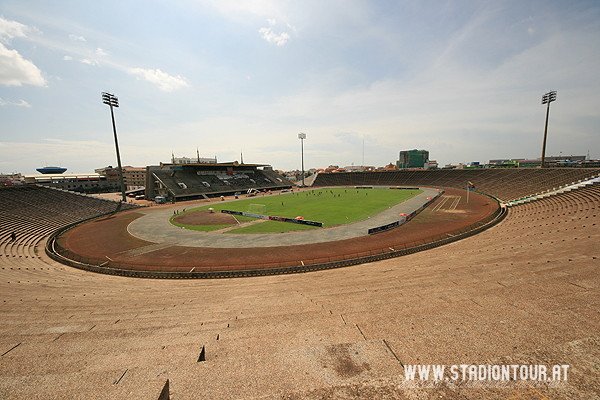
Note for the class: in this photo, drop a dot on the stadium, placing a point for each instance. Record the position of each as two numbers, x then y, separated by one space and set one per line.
98 299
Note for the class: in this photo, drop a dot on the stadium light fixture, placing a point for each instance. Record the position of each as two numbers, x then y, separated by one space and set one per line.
302 136
113 101
547 99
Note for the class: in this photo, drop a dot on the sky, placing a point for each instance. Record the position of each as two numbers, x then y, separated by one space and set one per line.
363 80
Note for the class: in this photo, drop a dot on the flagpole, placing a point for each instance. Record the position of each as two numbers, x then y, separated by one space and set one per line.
468 190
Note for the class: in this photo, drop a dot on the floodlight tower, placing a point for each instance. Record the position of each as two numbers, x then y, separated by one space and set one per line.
547 99
113 101
302 136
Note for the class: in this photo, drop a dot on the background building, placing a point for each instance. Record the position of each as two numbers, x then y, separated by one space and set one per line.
134 177
569 161
413 158
431 164
194 160
82 183
10 179
359 168
112 177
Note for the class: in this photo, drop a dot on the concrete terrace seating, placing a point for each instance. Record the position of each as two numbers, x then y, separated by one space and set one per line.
193 183
524 292
34 212
504 184
184 183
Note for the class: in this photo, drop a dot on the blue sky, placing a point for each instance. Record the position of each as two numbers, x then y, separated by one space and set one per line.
462 79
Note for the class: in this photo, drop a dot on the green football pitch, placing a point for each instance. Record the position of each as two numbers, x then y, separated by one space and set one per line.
331 206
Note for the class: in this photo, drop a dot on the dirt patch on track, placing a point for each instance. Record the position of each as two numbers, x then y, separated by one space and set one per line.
204 217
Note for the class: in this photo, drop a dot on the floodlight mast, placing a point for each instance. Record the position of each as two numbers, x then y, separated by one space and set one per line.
547 99
302 136
113 101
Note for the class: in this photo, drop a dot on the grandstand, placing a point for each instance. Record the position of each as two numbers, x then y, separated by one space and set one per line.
193 181
504 184
33 212
524 292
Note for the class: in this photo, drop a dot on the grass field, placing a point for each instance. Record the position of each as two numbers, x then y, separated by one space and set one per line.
336 206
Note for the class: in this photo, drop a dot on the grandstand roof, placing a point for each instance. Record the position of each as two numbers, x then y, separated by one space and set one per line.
208 166
51 170
60 177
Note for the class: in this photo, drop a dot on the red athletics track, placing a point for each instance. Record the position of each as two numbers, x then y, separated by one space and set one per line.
108 238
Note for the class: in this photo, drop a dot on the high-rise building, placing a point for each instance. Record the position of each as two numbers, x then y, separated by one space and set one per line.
413 158
134 177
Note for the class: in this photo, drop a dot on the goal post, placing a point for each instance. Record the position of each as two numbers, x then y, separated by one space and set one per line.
257 209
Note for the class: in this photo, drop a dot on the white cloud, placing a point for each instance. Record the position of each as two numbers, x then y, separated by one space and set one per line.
77 38
165 82
89 61
11 29
272 37
22 103
241 9
67 58
15 70
101 52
